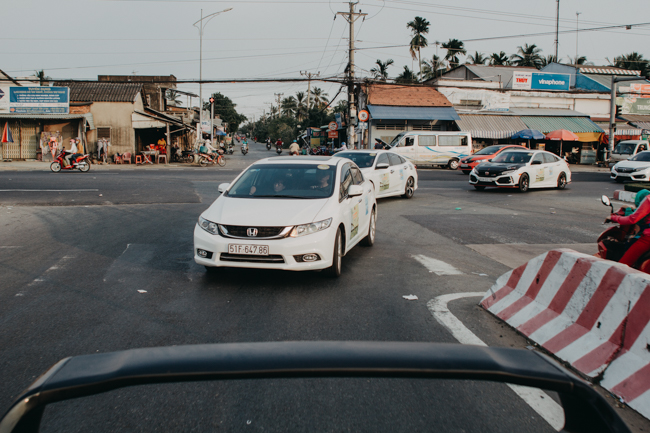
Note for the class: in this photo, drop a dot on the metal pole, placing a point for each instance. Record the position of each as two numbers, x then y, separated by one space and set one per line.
351 110
169 146
201 77
211 121
577 16
612 118
557 30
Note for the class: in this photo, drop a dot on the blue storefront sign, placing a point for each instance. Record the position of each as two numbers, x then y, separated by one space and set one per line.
545 81
39 100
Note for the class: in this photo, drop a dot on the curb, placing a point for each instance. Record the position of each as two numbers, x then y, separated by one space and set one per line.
626 196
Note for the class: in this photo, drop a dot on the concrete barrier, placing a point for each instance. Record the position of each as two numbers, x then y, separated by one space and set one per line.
590 312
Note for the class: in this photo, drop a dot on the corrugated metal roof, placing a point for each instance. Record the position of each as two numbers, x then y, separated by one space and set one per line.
101 92
87 116
621 128
494 127
553 112
636 117
501 74
606 70
643 125
547 124
382 112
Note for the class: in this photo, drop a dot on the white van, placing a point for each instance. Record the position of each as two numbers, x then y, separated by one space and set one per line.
626 150
433 147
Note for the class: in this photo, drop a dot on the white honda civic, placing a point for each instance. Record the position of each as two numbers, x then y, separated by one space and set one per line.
290 213
389 172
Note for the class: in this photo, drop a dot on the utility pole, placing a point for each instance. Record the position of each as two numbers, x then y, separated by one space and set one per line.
309 75
279 95
577 16
557 29
351 17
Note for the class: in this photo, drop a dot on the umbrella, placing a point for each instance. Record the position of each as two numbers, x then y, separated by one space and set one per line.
6 134
562 135
220 132
528 134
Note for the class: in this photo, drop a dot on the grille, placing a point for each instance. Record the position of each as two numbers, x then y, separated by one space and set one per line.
225 257
625 170
262 232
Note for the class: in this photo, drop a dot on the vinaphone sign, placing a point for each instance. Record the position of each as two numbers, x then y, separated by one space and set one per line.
528 80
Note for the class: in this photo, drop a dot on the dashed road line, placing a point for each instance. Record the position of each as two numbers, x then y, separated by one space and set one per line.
438 267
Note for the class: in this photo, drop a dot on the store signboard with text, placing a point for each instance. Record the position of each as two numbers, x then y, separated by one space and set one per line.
528 80
34 100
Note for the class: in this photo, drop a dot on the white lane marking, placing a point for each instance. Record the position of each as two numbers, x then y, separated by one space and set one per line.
10 246
48 190
438 267
537 399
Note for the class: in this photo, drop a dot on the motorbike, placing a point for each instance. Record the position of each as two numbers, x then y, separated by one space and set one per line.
81 163
244 149
268 145
206 159
179 155
278 148
614 242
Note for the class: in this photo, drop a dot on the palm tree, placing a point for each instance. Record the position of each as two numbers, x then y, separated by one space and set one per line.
633 61
548 60
320 97
341 107
433 69
477 58
528 55
273 111
419 27
406 77
173 97
301 105
288 106
42 78
454 48
500 59
381 71
580 60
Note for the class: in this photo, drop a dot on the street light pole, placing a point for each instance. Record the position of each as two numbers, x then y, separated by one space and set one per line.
201 25
577 16
211 121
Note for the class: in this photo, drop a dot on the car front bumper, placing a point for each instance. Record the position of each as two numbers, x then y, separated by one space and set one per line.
639 175
510 180
281 255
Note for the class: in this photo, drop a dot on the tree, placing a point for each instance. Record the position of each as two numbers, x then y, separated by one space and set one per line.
301 105
406 77
225 108
381 71
341 107
288 106
500 59
454 48
633 61
173 97
433 69
477 58
320 97
580 60
528 55
42 78
419 27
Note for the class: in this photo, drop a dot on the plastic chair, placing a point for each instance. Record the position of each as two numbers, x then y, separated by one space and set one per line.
162 155
138 159
126 158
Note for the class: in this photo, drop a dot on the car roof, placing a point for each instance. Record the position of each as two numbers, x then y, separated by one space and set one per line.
365 151
305 159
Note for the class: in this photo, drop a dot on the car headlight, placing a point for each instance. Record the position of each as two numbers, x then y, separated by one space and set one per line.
507 172
641 168
307 229
209 226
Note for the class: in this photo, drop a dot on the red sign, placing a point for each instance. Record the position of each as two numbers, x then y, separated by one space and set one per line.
333 126
363 115
332 134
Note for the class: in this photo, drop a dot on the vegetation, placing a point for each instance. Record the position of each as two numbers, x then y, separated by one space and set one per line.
225 108
528 55
380 72
477 59
633 61
406 77
500 59
42 78
419 27
454 48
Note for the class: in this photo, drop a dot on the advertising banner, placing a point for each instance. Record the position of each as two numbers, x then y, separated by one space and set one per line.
37 100
4 99
540 81
634 104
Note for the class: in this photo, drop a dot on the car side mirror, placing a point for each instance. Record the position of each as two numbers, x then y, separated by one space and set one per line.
223 187
381 166
536 163
489 160
355 190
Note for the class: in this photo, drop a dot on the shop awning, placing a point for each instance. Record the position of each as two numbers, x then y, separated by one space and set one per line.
490 126
385 112
622 129
87 116
547 124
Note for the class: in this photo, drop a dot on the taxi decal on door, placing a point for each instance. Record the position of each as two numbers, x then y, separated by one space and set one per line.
354 230
384 182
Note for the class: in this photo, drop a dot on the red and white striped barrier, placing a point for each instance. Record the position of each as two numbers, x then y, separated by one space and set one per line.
590 312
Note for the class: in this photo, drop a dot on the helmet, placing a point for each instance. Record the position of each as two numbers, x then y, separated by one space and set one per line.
343 144
294 141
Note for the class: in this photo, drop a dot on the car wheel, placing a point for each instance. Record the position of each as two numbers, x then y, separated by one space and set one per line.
369 240
55 167
409 190
84 166
453 164
479 187
561 181
524 183
337 256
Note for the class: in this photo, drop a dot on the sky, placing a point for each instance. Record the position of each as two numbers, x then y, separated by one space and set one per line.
81 39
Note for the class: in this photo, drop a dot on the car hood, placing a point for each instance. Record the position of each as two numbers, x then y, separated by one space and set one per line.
474 158
632 164
264 212
491 169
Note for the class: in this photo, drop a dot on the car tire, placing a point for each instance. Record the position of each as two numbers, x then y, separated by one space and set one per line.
479 187
453 164
369 240
55 167
561 181
409 189
334 271
524 183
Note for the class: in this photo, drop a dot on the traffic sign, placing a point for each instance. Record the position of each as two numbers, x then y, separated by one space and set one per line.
333 126
332 134
363 115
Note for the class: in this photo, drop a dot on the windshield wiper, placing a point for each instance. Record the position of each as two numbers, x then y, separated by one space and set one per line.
278 196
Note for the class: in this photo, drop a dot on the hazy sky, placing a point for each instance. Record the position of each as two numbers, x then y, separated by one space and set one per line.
265 38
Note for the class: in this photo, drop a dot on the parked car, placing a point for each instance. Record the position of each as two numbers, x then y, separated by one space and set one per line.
433 147
626 149
636 168
389 173
288 213
468 163
522 169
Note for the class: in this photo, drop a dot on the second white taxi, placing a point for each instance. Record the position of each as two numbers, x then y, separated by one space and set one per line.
389 172
289 213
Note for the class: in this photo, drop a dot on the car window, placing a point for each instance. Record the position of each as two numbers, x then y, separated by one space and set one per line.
357 177
361 159
383 159
539 157
296 181
402 160
427 140
394 159
490 150
550 158
516 157
346 181
452 140
643 156
624 148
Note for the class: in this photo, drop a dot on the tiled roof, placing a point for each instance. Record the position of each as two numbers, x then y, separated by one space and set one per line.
606 70
101 92
405 96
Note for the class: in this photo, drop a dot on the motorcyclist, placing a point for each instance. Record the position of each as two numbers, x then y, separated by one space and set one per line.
640 217
210 148
69 154
294 148
278 143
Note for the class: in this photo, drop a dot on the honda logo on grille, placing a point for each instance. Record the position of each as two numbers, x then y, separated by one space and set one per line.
487 172
251 232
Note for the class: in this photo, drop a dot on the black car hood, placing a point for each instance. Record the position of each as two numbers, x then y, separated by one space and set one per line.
493 169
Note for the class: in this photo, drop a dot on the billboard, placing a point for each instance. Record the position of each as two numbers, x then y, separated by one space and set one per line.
528 80
34 100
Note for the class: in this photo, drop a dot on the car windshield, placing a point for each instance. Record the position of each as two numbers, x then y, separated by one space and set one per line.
362 159
490 150
513 157
296 181
643 156
624 148
396 139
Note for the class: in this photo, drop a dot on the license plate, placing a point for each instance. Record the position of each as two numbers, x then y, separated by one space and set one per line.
485 179
252 250
464 165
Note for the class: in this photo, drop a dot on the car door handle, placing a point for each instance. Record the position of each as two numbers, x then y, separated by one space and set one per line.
360 200
392 171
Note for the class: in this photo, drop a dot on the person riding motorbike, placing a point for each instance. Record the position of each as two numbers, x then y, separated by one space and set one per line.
71 154
294 149
641 218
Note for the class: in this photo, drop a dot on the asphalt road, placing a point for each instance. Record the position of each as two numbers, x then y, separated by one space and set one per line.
102 261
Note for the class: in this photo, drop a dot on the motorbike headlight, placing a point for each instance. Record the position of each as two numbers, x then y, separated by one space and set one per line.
307 229
209 226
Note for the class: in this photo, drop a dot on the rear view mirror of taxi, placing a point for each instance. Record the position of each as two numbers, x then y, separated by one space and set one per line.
223 187
355 190
381 166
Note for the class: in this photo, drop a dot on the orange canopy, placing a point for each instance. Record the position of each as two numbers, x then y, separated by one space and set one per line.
562 135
